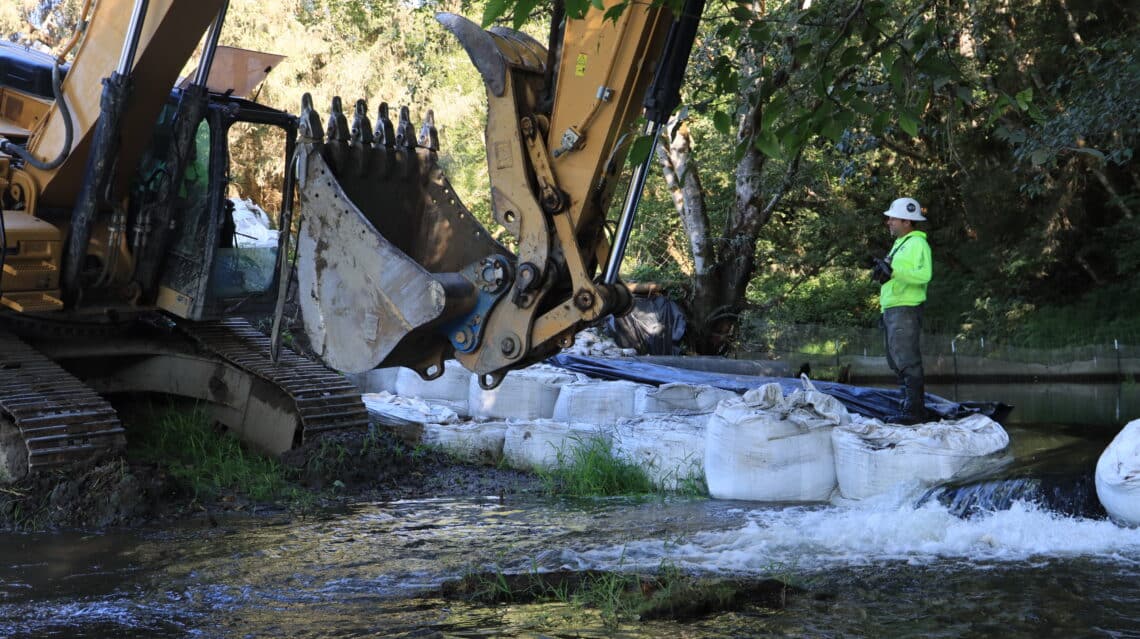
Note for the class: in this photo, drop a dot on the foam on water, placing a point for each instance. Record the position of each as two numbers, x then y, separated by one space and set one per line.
888 528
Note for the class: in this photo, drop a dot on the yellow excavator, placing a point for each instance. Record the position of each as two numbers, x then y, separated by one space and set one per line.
122 270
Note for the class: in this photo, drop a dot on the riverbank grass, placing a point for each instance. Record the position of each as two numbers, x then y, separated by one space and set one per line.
618 597
588 467
204 460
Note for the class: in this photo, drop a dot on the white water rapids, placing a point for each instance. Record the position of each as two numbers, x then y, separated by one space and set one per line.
888 528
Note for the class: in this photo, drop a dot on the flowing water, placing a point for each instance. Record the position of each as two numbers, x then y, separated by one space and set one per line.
906 564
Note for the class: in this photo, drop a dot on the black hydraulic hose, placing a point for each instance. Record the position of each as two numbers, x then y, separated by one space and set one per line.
663 95
3 251
10 148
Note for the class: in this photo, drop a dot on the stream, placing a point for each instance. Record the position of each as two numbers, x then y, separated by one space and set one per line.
896 565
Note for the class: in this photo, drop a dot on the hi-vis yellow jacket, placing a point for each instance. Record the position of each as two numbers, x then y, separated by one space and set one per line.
910 272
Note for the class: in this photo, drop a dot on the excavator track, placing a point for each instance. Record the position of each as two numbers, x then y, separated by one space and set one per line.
60 419
326 401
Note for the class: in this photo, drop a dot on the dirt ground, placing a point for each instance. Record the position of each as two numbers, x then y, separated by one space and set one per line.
114 493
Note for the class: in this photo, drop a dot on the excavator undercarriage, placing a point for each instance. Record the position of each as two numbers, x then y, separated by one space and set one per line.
54 378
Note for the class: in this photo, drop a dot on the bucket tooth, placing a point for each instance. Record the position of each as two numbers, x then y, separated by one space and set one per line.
386 250
385 134
361 125
405 132
429 136
310 126
338 124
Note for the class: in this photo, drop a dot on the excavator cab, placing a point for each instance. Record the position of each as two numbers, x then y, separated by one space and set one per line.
211 268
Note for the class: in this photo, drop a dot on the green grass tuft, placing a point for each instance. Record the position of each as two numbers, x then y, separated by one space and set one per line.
587 467
206 461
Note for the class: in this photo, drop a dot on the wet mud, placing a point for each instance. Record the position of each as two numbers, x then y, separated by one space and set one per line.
328 473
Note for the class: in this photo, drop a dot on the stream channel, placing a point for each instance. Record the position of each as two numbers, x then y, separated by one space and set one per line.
897 565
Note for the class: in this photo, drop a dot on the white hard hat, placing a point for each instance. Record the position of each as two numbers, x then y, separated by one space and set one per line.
905 208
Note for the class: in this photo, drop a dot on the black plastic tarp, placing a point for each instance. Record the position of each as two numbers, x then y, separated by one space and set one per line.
879 403
654 326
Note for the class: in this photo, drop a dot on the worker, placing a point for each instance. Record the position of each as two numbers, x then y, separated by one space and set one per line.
904 274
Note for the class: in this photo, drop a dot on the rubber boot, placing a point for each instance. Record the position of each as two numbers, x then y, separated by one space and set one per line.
913 407
914 402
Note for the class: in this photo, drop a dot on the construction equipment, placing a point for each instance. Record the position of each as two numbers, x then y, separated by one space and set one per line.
121 271
435 284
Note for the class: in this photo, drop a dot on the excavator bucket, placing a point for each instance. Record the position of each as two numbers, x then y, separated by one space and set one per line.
391 267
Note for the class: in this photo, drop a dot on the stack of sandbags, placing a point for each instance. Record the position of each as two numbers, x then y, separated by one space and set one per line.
527 393
449 389
767 447
474 442
872 457
1118 476
677 398
544 443
596 402
669 448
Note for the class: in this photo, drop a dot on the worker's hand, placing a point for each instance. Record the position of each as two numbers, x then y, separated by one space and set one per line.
881 272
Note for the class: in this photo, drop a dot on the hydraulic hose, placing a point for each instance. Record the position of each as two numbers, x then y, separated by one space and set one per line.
7 146
3 251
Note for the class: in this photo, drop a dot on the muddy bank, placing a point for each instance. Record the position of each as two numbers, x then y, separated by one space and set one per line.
326 474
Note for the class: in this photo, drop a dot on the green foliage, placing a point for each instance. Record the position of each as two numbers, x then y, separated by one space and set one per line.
835 297
204 460
587 467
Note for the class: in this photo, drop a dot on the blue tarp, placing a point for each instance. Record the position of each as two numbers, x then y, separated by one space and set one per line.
879 403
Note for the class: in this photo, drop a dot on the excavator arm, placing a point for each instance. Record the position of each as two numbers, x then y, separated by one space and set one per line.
394 270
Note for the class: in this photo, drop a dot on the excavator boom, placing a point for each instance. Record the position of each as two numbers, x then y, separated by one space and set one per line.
434 284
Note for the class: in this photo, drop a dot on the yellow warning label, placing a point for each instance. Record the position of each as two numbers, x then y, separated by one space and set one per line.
580 65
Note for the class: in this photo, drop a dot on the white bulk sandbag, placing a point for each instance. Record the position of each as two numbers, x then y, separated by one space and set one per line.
541 443
678 398
766 447
527 393
475 442
411 409
450 389
252 225
669 448
871 457
1118 476
595 402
